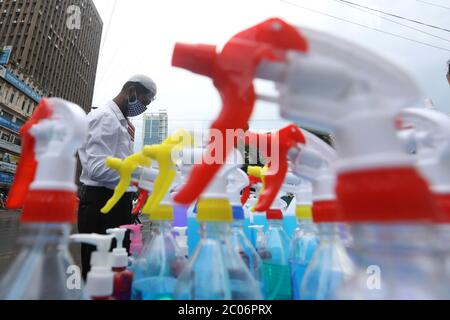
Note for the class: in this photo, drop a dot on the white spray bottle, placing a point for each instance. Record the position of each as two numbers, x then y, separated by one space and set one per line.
44 188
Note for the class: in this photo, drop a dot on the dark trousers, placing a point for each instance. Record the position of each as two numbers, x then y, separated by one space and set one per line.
91 220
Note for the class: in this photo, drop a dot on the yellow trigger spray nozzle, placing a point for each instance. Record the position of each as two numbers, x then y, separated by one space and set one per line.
114 163
163 154
125 168
258 172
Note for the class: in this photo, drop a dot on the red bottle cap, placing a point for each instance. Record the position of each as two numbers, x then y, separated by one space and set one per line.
325 212
43 206
384 196
443 203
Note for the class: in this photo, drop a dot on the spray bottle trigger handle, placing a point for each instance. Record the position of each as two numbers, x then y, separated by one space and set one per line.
257 174
163 154
126 169
114 163
142 199
274 173
245 195
246 192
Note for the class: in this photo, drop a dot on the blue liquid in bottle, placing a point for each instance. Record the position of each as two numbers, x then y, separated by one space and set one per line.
158 268
298 271
275 255
154 288
329 267
277 281
193 231
302 249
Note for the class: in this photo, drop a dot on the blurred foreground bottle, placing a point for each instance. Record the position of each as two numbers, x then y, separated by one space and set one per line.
44 187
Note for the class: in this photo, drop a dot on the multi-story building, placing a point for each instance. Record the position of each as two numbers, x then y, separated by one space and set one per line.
48 48
156 127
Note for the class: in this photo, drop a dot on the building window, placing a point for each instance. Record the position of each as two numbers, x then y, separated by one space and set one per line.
6 115
5 137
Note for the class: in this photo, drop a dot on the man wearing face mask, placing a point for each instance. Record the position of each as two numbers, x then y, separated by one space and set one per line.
111 134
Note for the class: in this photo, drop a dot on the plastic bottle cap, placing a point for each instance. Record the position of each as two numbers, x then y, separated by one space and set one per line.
214 204
385 195
443 203
325 212
238 213
304 212
119 254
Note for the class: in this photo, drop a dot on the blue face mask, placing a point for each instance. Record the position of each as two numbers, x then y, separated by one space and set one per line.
135 108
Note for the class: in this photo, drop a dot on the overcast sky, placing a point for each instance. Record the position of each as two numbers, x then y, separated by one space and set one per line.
139 36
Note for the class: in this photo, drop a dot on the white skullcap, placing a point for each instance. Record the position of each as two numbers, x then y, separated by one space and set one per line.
146 82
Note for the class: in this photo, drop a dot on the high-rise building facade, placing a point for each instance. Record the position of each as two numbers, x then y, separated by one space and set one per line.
47 48
156 127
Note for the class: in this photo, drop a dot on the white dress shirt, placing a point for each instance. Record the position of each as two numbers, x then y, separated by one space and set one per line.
108 137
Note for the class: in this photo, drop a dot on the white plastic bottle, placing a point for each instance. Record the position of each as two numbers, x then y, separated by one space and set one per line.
100 279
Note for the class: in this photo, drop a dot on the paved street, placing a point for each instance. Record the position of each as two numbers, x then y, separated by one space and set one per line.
9 248
9 226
